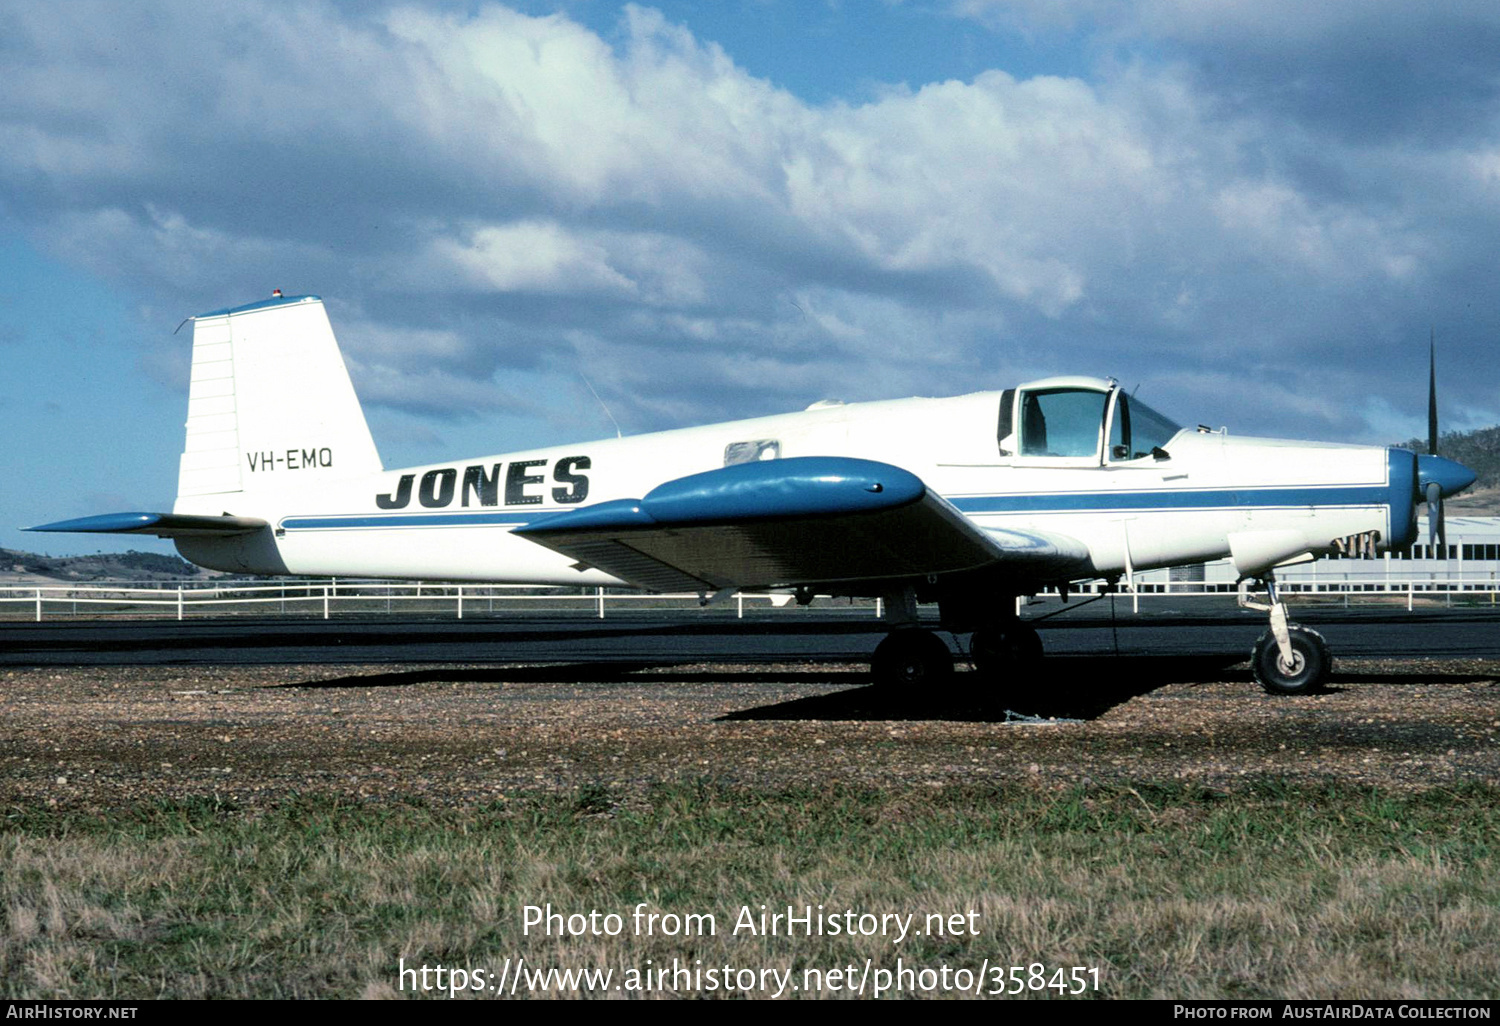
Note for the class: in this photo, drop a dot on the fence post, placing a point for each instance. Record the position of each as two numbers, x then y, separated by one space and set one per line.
601 601
1409 586
325 601
739 599
39 605
460 601
179 602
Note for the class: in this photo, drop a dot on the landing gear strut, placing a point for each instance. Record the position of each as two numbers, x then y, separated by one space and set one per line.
1005 647
1288 659
1006 654
1004 650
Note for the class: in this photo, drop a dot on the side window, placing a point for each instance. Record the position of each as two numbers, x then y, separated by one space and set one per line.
1063 422
1007 421
751 452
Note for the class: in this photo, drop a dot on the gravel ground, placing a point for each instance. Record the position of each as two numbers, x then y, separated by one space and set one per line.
109 737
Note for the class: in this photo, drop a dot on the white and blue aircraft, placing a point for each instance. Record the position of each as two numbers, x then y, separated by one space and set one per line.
969 502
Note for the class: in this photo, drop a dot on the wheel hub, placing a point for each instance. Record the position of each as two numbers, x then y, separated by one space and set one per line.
1293 668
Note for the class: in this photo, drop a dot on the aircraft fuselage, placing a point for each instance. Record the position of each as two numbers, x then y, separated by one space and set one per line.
453 520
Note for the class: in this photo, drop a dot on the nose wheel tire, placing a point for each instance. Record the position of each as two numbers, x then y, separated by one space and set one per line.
911 658
1307 670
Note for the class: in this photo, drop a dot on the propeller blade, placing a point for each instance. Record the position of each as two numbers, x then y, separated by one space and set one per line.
1434 515
1432 420
1435 533
1442 532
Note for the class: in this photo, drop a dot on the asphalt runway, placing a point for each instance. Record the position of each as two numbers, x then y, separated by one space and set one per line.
664 639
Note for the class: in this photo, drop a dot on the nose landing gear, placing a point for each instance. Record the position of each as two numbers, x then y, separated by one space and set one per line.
1288 659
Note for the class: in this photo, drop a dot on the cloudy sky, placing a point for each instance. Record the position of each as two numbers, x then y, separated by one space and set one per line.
1254 209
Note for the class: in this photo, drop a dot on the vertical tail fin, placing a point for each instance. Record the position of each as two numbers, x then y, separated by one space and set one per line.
270 405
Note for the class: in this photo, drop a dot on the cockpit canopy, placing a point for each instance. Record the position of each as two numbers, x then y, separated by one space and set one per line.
1067 421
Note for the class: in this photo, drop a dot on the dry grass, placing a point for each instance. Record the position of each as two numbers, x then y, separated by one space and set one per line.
1177 892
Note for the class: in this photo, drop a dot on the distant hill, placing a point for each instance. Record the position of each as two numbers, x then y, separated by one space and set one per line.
114 566
1478 450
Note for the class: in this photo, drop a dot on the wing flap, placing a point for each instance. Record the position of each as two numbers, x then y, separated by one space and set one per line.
823 520
163 525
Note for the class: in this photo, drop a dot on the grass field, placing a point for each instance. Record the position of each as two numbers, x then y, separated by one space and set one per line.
1179 892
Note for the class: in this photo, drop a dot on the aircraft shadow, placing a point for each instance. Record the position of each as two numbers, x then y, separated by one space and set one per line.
580 673
1075 687
1069 687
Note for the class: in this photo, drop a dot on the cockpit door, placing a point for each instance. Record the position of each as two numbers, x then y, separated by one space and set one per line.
1062 426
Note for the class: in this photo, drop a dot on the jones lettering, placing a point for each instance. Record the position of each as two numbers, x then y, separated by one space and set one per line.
479 486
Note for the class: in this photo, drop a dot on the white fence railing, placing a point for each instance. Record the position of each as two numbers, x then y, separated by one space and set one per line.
1479 585
333 596
327 598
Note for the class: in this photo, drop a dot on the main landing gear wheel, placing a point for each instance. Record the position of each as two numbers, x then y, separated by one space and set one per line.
1004 649
1308 669
911 657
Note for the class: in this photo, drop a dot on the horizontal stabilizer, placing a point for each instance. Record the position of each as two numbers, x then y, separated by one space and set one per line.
163 525
803 520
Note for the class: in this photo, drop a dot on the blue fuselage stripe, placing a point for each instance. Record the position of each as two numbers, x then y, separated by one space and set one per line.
384 520
1174 499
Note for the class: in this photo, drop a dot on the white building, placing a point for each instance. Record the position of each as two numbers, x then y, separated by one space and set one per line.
1472 564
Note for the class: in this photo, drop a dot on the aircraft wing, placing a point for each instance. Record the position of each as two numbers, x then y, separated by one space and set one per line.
802 520
163 525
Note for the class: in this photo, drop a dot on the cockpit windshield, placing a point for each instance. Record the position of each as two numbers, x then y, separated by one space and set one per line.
1149 428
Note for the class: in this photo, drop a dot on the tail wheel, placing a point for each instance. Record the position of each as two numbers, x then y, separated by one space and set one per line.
911 657
1307 670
